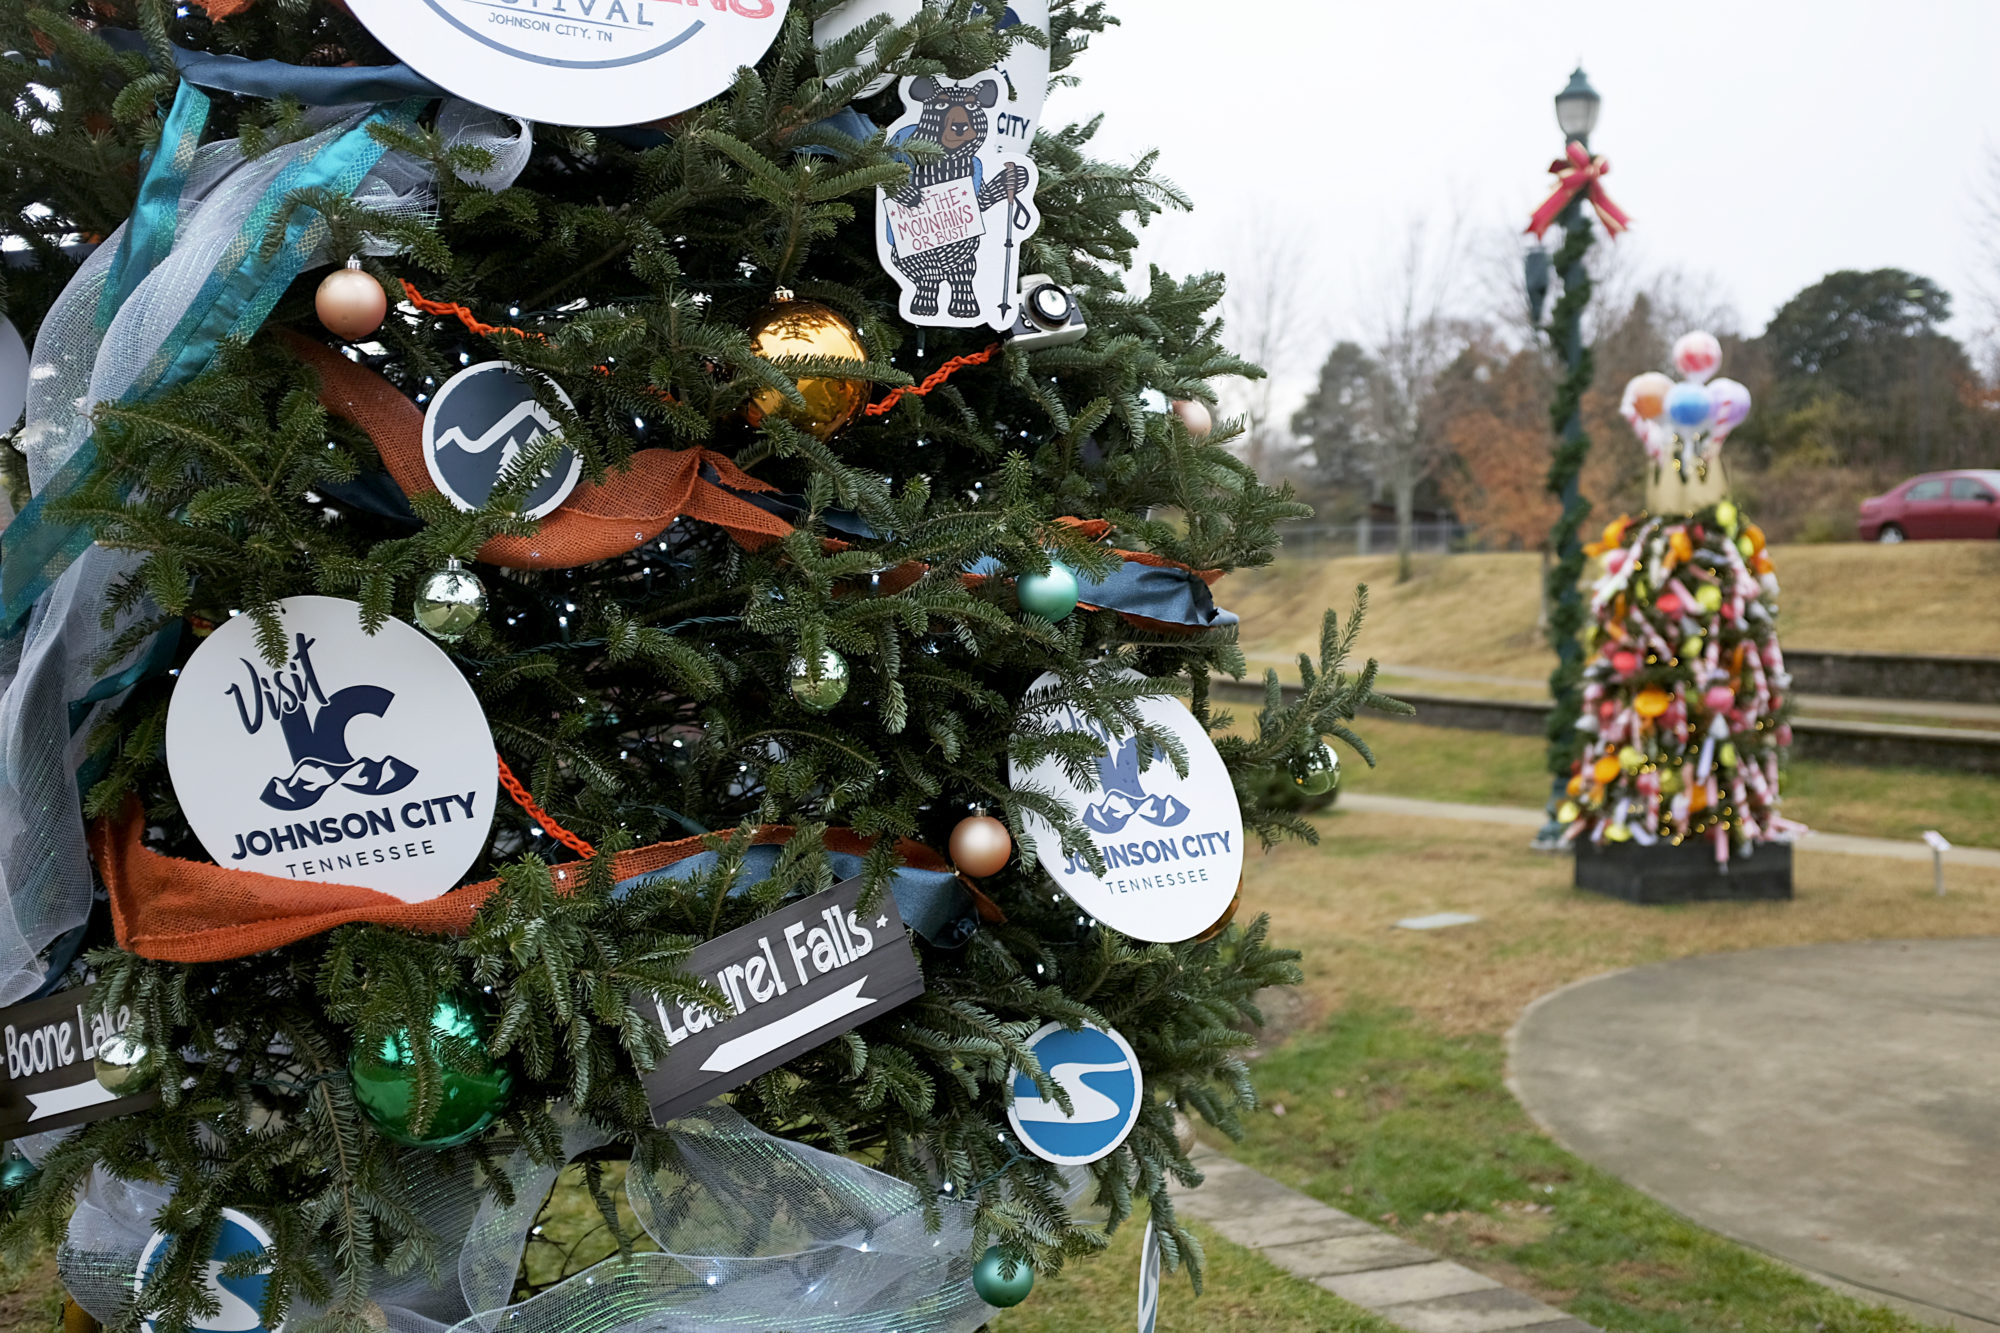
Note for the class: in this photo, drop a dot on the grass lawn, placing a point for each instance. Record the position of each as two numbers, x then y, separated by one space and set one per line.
1489 768
1477 612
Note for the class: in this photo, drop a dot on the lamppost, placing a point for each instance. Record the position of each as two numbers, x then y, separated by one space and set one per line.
1577 174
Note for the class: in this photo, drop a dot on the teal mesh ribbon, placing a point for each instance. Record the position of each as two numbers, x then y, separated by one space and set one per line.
233 303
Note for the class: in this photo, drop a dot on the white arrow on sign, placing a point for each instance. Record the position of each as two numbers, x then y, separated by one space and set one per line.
740 1051
73 1098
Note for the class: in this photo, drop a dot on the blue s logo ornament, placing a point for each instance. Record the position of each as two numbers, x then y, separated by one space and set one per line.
239 1300
1099 1074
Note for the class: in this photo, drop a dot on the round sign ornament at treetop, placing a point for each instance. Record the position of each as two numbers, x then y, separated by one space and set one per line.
578 62
1172 846
1098 1072
360 759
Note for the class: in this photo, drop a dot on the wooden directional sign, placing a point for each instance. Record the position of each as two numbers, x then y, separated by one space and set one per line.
49 1080
797 978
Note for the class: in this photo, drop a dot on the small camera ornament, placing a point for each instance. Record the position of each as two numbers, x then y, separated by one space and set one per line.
1049 314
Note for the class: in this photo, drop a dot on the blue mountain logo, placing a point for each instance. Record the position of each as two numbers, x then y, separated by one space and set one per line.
314 725
1125 797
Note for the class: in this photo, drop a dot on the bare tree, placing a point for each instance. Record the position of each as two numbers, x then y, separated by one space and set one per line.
1986 284
1276 320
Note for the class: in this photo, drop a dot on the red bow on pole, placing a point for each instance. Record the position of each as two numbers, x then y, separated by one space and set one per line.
1579 173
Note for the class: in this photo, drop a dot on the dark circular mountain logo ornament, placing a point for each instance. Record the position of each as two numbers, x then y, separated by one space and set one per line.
480 424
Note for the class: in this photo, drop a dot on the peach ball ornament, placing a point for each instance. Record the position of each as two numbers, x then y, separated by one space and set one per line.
981 845
351 303
1194 414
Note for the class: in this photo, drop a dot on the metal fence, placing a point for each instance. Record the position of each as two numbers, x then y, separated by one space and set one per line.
1372 537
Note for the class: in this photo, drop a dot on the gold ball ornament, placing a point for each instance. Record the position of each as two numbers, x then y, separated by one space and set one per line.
789 327
981 846
351 303
1228 915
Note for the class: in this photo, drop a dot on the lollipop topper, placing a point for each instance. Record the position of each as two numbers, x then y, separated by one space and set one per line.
1685 423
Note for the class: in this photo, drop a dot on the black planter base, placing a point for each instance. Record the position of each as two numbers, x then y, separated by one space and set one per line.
1664 873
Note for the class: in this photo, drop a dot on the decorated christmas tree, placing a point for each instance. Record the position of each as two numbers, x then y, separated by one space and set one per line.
1684 723
740 417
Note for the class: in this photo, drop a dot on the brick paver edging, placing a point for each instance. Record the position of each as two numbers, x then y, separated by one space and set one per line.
1399 1282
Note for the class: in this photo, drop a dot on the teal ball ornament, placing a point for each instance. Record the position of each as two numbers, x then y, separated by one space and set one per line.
15 1173
1051 596
819 689
475 1085
997 1290
1319 772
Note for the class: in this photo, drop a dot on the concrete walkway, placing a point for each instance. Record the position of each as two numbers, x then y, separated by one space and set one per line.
1836 1106
1844 844
1403 1284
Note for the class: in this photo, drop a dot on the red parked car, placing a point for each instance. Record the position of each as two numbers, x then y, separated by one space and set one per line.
1961 505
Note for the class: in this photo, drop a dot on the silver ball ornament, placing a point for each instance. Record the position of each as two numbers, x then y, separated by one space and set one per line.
121 1065
819 689
450 603
1318 773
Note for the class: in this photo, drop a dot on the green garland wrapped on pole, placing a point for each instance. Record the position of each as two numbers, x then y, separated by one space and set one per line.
1578 180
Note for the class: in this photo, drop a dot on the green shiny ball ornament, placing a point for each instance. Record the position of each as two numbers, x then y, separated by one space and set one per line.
1691 647
996 1290
819 689
1051 596
450 603
1710 597
121 1065
1725 514
474 1088
1319 772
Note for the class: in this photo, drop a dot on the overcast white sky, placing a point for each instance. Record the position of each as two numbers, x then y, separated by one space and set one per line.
1758 145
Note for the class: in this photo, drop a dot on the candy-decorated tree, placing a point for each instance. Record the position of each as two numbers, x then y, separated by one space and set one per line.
1684 695
766 437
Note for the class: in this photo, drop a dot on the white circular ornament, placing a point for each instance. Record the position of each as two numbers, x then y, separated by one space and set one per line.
483 419
1096 1069
1172 845
239 1300
577 62
13 375
1149 1278
363 760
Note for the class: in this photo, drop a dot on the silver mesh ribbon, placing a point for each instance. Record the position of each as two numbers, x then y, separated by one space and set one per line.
755 1233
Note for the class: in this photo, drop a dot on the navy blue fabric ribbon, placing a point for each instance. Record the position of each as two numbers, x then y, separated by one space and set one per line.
931 902
1157 592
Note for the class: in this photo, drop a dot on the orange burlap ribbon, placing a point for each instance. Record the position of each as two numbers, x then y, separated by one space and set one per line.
599 520
179 911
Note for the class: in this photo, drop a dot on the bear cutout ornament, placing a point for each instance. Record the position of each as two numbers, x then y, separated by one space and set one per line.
951 237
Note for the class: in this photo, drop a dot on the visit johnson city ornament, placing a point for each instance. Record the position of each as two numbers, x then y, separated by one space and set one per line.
362 759
1172 846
